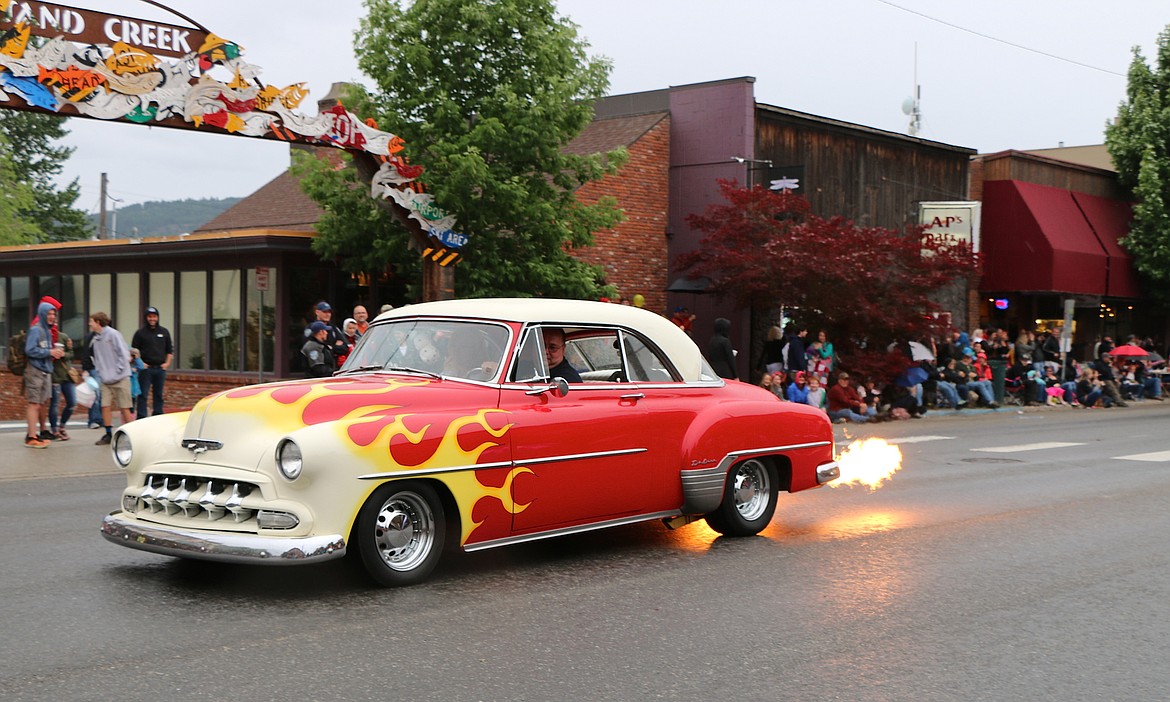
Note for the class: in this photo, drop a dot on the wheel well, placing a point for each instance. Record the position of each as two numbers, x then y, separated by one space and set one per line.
450 509
783 467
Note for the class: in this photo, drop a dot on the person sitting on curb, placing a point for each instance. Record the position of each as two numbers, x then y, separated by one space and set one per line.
1090 392
948 385
1108 378
845 404
798 390
978 378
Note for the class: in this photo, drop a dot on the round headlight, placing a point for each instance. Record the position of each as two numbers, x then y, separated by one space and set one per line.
288 459
123 451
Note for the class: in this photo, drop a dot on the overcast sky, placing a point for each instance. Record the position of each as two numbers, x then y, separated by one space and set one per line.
994 74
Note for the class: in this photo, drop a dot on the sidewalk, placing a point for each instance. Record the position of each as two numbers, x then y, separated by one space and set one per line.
76 457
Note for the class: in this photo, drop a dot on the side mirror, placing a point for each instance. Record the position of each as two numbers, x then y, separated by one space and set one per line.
558 387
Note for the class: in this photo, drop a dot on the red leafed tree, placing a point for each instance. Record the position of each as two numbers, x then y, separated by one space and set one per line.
867 287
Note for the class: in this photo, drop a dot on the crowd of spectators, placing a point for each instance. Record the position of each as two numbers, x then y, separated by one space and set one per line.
983 368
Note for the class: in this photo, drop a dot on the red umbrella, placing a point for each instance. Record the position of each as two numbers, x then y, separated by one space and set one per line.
1129 350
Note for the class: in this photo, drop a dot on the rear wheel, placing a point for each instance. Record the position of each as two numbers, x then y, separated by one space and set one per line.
749 499
400 533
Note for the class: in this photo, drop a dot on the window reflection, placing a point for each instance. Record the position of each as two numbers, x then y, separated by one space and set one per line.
225 320
191 353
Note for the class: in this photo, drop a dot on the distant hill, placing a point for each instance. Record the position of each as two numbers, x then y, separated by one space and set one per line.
163 218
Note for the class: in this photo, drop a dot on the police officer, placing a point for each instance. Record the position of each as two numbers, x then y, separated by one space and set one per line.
334 340
318 356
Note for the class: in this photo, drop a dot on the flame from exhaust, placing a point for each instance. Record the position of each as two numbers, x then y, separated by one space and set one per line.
869 462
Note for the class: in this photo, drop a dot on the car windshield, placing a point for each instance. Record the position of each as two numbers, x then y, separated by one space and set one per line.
469 350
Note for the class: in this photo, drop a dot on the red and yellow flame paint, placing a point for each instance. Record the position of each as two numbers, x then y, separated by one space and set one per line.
386 426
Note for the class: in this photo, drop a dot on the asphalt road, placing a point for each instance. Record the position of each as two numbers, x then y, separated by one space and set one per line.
1015 557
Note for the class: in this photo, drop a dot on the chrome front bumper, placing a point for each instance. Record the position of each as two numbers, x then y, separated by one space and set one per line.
219 546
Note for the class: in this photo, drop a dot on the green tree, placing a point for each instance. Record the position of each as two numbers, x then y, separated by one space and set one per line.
36 161
355 231
486 95
1139 142
15 198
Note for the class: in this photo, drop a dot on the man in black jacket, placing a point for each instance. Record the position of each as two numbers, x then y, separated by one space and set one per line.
719 352
154 344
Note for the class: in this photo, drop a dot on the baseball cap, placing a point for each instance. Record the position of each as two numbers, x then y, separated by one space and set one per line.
843 374
151 310
324 306
317 326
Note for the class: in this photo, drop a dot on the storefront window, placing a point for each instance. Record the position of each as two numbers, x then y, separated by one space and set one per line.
190 351
129 310
161 295
20 309
225 320
260 331
74 318
100 295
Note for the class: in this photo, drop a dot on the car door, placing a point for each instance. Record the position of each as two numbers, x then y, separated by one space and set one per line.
586 456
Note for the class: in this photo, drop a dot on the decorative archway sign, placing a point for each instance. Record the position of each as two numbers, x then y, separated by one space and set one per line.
125 69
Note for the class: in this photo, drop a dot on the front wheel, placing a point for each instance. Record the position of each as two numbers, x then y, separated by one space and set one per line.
749 499
400 533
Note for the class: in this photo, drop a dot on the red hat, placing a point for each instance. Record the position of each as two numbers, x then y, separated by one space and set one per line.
52 301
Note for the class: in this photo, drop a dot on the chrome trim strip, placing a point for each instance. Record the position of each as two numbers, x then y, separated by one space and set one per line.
218 546
498 464
578 456
733 456
511 540
433 471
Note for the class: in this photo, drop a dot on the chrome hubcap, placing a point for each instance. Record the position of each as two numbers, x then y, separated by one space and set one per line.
404 531
752 489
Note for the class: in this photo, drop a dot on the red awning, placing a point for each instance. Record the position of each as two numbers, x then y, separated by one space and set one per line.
1110 221
1035 238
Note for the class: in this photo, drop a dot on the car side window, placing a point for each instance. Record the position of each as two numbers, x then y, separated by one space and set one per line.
530 362
643 362
596 356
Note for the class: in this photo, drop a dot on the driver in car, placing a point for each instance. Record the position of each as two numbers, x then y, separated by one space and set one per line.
554 352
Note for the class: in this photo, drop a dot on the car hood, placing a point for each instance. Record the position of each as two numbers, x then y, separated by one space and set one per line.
241 427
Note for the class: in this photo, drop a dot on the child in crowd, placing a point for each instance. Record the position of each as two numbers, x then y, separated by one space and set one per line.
777 386
136 365
816 393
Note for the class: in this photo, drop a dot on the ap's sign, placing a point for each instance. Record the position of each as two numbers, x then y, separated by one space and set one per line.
958 221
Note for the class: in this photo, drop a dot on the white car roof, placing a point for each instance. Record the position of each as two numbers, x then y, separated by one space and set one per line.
673 341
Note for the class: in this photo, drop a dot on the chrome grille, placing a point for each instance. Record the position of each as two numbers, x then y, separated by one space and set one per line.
194 497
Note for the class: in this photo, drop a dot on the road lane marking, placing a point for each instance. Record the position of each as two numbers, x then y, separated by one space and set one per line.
1156 457
1028 447
918 439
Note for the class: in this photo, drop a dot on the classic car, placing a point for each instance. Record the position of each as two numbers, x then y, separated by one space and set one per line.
445 428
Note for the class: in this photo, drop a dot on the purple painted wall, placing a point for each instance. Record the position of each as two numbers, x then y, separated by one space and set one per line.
711 123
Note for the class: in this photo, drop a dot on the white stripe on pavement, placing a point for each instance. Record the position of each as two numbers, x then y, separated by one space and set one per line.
917 439
1028 447
1156 457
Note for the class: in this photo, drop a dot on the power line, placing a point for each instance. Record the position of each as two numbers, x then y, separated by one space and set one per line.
1001 41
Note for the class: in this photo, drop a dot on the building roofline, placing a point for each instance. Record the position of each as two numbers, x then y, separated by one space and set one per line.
1026 156
853 127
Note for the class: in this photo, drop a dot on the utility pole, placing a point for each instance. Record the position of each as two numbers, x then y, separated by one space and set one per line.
102 233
